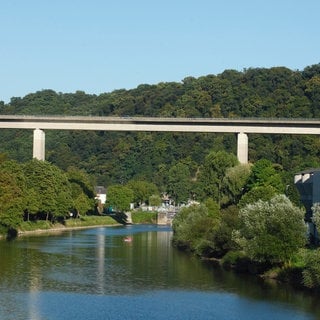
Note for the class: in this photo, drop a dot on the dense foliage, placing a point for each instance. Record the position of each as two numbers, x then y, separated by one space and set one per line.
116 158
259 229
271 231
37 190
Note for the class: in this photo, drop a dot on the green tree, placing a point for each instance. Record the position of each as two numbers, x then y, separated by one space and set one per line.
316 214
155 200
51 186
11 202
234 183
191 227
264 193
222 235
81 190
142 190
311 270
271 231
31 204
120 197
179 182
28 197
265 173
212 173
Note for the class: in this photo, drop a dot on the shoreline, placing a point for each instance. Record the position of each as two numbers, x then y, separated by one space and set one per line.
61 228
56 228
39 227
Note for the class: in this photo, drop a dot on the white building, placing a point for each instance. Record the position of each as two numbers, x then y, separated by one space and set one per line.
101 194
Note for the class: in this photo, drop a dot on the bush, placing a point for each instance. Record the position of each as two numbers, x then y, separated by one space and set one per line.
237 260
205 248
35 225
192 225
311 272
86 221
3 230
222 235
271 231
143 217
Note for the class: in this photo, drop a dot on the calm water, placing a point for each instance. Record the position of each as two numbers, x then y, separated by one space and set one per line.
95 274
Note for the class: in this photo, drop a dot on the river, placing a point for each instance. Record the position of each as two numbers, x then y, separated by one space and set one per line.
94 274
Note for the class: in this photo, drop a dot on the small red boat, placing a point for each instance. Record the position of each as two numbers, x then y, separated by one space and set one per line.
127 239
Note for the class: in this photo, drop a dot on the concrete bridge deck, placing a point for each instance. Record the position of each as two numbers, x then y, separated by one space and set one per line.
244 125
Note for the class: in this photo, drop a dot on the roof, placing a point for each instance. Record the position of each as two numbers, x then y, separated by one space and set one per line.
312 170
100 189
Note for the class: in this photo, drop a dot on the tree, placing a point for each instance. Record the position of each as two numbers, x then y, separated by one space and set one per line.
179 182
264 193
155 200
191 227
234 182
271 231
120 197
51 186
11 202
142 190
264 173
316 214
27 196
222 236
31 203
81 190
82 204
213 172
311 270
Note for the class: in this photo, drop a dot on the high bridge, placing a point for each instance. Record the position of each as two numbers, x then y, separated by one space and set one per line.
241 127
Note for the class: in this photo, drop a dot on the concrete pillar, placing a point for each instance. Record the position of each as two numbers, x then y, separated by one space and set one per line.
129 217
162 218
38 144
242 151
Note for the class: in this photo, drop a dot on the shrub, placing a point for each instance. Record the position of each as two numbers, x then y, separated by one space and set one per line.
143 217
311 272
191 225
237 260
271 231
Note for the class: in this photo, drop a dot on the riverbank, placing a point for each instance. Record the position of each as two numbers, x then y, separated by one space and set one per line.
289 274
28 228
44 227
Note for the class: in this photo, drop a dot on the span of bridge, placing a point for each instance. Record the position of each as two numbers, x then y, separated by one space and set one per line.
242 127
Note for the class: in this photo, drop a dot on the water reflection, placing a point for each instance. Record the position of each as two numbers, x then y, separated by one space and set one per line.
42 275
35 289
100 256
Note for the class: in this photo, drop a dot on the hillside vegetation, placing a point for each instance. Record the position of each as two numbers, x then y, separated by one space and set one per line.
113 157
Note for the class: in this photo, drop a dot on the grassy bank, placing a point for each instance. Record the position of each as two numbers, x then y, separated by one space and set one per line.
138 217
85 221
88 221
144 217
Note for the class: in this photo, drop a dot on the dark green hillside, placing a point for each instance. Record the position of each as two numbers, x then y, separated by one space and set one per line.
118 157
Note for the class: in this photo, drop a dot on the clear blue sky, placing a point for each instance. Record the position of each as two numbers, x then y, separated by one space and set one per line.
101 45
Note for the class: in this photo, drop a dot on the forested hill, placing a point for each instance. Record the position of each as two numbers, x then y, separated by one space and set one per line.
118 157
274 92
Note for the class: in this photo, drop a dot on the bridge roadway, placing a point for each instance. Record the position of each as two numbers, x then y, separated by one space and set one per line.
241 127
244 125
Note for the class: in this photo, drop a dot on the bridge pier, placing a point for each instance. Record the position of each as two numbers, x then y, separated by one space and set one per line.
39 144
242 150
